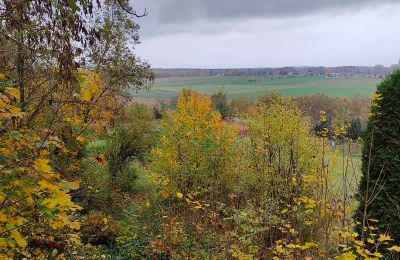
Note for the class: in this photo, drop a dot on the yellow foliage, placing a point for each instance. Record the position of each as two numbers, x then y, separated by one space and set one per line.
35 201
194 137
41 165
347 256
90 84
384 238
394 249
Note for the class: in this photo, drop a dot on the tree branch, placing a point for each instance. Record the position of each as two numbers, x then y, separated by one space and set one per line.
132 12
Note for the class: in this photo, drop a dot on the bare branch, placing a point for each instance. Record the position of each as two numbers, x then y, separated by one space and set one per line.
132 12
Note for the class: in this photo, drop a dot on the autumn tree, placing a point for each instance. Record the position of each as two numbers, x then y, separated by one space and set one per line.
48 106
196 148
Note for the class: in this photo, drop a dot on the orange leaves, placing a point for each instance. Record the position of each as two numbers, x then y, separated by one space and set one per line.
101 159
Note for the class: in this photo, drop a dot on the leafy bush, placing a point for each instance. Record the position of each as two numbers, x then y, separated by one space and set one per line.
100 229
220 104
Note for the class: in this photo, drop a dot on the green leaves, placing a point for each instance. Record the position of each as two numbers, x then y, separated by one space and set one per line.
73 5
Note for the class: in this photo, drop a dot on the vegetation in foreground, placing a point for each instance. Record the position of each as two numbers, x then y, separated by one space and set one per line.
85 176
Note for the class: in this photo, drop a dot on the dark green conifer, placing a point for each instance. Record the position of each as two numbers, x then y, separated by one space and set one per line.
379 194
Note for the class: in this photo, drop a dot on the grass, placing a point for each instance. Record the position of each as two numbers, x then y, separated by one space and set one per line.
252 87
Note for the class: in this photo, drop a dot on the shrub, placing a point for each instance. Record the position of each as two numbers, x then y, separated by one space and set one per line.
100 229
220 103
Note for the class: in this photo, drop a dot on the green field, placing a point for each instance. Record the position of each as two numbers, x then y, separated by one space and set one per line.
236 86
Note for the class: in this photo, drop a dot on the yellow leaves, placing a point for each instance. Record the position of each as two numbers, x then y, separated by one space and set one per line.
45 185
14 112
194 103
3 217
90 85
2 76
394 249
238 254
323 116
14 92
41 165
75 225
148 204
75 184
73 121
80 139
62 221
279 249
308 245
347 256
179 195
376 97
384 238
18 238
57 224
164 194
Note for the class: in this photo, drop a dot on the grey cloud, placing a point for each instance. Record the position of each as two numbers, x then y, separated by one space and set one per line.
180 11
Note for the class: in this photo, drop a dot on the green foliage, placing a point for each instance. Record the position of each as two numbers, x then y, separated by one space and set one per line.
220 103
132 138
110 163
380 182
355 130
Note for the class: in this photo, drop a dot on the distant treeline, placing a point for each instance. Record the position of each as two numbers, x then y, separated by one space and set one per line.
376 71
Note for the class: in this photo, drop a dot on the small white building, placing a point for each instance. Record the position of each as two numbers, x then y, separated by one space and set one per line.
334 74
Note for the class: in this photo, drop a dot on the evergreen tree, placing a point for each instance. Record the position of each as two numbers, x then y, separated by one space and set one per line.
355 129
379 193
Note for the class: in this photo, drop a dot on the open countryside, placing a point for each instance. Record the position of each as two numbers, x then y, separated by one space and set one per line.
239 130
251 87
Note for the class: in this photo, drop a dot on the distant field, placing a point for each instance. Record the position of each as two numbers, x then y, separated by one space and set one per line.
236 86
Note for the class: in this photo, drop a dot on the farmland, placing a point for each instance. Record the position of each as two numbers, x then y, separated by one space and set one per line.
235 86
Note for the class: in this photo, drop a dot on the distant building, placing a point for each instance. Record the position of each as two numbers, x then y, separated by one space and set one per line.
334 74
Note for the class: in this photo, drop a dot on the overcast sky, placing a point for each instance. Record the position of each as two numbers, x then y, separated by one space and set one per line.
269 33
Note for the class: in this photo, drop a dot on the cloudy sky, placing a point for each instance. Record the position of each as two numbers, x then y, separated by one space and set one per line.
269 33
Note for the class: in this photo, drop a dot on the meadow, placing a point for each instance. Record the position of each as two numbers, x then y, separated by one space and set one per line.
240 86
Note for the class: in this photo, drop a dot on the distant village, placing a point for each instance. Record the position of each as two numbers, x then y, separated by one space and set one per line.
377 71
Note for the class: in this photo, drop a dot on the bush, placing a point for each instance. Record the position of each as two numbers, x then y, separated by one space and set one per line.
109 165
220 103
131 140
100 229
